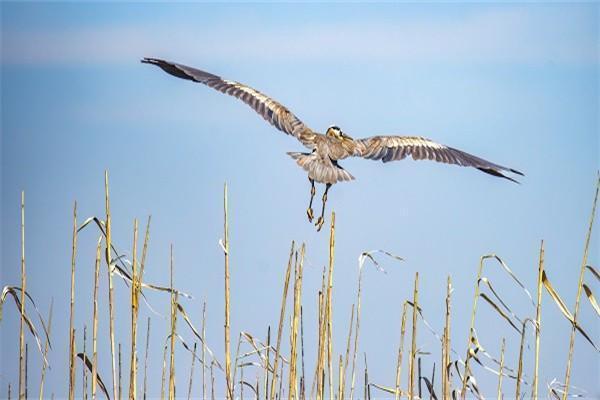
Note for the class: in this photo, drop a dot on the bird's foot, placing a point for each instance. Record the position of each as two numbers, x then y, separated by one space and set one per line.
309 213
320 223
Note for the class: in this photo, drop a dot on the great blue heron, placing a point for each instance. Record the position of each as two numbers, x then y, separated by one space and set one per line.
326 150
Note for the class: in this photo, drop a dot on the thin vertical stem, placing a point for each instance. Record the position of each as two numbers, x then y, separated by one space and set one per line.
111 314
538 322
173 333
329 306
120 375
446 382
501 371
84 370
135 292
227 305
347 359
164 369
286 285
44 364
26 369
146 358
413 351
95 320
579 287
23 285
192 372
295 325
400 351
72 308
204 351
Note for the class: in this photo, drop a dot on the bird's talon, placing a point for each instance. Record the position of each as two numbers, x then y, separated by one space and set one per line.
310 214
319 224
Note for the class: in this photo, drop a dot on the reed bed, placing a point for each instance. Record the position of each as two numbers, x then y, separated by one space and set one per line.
263 368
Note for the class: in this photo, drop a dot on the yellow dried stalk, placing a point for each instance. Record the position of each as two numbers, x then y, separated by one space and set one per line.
95 320
579 287
84 388
446 382
120 376
204 351
413 351
520 366
329 305
135 293
347 359
227 304
538 322
192 372
292 393
46 345
23 287
400 352
111 317
501 371
173 333
146 358
164 369
72 308
281 319
340 378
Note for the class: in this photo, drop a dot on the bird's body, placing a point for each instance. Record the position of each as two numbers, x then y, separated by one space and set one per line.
321 162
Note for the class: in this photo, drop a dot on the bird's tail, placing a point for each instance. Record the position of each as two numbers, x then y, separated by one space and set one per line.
322 171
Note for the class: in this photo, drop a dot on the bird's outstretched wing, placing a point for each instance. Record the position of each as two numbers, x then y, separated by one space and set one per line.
272 111
391 148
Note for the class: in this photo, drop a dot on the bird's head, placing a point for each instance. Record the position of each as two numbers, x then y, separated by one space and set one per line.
336 132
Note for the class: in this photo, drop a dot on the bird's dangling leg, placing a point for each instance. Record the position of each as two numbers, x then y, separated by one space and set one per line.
309 211
321 220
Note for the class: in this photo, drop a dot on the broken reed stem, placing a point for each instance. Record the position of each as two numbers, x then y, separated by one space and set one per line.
413 351
111 313
44 365
347 359
23 285
281 319
400 351
520 366
204 351
538 322
95 320
164 370
135 292
579 287
173 333
501 371
146 359
192 372
292 393
446 382
471 329
72 307
227 304
329 307
340 378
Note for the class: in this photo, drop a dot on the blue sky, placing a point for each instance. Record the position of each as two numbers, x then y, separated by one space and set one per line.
515 83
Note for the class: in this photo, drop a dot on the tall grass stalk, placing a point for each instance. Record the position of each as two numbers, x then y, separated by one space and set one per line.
400 351
46 345
204 351
135 293
227 304
501 370
413 351
446 349
173 333
286 284
146 359
538 322
72 308
95 320
189 396
578 297
23 288
111 311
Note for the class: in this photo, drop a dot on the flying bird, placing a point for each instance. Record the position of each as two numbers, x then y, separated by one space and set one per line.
321 162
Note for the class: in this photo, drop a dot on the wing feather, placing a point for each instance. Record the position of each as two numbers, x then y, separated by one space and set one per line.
392 148
273 112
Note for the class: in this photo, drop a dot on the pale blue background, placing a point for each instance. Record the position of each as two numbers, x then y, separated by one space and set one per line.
514 83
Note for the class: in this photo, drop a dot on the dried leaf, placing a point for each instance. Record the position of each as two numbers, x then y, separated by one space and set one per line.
591 298
88 363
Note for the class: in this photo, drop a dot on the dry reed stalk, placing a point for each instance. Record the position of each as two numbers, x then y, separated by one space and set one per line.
84 394
366 388
26 368
400 351
111 312
538 322
212 381
204 351
227 304
292 393
471 329
164 369
321 340
340 377
329 307
520 365
579 287
501 374
72 346
72 308
267 364
95 321
413 351
356 332
446 382
44 365
120 375
135 293
173 333
281 319
347 359
9 392
192 372
146 358
303 379
23 287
